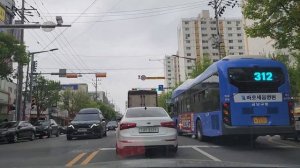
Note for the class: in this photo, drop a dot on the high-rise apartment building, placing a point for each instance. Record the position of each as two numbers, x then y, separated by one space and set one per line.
171 71
197 37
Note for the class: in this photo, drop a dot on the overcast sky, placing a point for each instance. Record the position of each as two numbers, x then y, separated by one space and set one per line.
113 36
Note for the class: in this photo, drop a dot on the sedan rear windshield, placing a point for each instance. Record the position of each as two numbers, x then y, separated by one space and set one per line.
86 117
148 112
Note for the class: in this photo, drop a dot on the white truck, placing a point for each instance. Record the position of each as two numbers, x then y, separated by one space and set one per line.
142 98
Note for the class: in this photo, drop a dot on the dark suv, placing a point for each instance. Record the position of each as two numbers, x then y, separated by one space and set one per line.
46 128
88 122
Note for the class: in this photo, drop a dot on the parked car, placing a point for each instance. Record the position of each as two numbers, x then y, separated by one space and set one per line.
88 122
13 131
46 128
111 125
145 128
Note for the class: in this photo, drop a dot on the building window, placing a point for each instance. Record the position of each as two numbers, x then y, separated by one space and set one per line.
215 60
205 47
214 47
241 53
188 54
213 28
169 79
187 35
189 74
188 61
188 48
231 53
203 22
169 70
230 41
169 74
215 54
230 35
238 28
204 41
239 34
229 28
213 22
240 47
240 41
228 22
187 29
188 41
214 35
203 28
230 47
204 35
238 22
189 67
186 22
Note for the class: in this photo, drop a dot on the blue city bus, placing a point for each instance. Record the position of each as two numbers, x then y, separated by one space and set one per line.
238 96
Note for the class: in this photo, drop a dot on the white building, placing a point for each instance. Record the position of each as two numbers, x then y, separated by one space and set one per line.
197 37
171 71
8 91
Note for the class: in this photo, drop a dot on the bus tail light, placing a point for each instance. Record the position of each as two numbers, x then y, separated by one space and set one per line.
291 112
226 113
127 125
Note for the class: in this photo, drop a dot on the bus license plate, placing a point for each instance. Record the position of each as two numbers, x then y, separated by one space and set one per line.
148 130
260 120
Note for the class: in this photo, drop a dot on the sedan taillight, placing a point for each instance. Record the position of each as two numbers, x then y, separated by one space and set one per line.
127 125
169 124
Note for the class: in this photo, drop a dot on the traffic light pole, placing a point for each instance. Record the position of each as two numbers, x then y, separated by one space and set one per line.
31 78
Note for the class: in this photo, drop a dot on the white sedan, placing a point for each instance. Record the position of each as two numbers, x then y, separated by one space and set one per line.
142 128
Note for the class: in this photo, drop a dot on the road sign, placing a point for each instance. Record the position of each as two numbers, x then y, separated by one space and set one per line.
100 75
160 87
72 75
143 77
62 72
48 23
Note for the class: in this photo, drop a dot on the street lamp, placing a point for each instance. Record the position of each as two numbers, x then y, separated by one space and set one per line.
33 64
184 57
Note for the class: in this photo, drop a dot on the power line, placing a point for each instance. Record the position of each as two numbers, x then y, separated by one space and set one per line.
72 23
111 69
138 17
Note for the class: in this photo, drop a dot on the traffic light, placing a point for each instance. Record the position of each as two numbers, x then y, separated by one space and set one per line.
160 87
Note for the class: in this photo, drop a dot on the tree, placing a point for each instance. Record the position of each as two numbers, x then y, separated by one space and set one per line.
277 19
45 93
11 50
201 66
293 65
163 99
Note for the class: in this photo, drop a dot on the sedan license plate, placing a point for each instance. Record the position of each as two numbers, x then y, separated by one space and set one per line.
260 120
148 130
82 130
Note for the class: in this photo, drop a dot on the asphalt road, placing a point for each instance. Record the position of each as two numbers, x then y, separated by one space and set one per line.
58 152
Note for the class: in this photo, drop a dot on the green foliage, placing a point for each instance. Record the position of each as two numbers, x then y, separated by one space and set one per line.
277 19
201 66
74 101
46 93
293 65
11 50
162 100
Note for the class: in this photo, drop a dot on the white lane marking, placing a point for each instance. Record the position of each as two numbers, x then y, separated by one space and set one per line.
107 149
206 154
199 146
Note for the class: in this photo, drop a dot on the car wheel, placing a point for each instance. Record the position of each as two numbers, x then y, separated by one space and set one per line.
100 135
105 133
69 137
283 137
15 138
57 134
49 134
32 136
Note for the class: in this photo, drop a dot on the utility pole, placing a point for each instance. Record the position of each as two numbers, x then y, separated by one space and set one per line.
96 97
26 93
20 70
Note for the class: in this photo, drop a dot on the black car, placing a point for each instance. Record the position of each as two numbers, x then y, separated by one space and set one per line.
112 125
88 122
16 130
46 128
